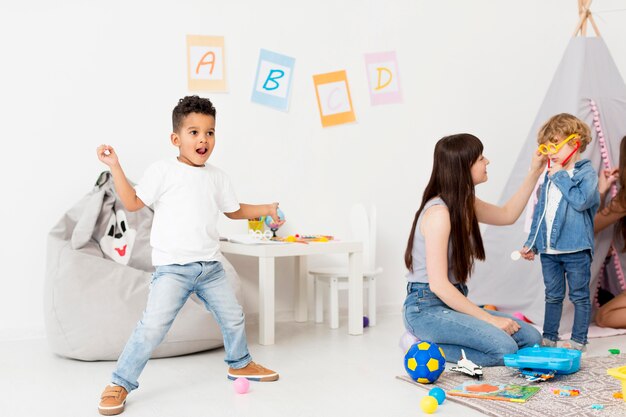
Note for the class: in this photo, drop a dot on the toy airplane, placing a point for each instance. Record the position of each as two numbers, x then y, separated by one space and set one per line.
468 367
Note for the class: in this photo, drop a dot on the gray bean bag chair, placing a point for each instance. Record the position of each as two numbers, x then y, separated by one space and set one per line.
97 276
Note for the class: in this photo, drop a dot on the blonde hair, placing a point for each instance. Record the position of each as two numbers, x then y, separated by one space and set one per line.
562 125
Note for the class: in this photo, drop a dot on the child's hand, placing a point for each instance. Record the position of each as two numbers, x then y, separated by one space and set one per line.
527 254
106 154
606 179
554 168
506 324
273 212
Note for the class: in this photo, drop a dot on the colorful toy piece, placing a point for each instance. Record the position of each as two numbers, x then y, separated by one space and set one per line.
274 225
490 307
438 394
424 362
468 367
304 239
532 375
366 321
429 404
566 392
241 385
619 373
521 317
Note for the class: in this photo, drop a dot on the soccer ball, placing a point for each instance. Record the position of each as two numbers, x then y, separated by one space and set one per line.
424 362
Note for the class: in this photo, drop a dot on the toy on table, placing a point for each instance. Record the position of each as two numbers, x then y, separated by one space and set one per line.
305 239
619 373
468 367
424 362
542 363
273 225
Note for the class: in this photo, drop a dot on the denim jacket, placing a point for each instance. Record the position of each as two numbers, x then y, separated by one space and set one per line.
572 229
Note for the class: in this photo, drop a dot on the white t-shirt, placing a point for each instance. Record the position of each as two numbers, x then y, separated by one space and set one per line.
187 202
553 199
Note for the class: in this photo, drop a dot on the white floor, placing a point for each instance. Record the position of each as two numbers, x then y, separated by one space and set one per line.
323 372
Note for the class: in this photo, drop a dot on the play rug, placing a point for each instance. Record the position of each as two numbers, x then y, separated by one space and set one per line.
596 387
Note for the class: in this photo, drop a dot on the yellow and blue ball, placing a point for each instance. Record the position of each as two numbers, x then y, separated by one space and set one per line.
424 362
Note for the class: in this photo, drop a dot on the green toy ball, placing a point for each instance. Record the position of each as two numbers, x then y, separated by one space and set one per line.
429 404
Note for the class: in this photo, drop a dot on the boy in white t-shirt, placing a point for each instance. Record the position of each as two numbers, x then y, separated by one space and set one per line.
187 195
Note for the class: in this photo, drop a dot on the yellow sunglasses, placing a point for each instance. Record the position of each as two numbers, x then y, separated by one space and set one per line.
551 148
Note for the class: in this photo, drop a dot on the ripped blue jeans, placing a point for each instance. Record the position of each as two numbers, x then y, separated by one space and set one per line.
429 318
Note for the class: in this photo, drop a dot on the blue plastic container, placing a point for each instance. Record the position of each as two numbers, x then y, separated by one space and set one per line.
563 361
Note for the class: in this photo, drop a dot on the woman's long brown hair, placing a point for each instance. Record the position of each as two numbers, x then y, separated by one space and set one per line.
451 179
619 202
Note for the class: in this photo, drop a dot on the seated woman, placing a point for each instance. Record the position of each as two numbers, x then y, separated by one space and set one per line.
444 242
613 313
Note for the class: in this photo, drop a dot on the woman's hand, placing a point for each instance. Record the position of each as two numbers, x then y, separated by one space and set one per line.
106 154
606 178
509 326
538 161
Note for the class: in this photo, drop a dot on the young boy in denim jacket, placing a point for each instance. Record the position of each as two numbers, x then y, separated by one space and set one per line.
187 194
562 227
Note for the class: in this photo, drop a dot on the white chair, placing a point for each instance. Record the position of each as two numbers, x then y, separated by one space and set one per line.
336 278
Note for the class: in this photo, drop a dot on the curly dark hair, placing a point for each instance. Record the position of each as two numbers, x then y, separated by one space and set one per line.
191 104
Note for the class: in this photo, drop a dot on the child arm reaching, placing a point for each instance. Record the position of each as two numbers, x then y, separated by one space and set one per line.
108 156
252 211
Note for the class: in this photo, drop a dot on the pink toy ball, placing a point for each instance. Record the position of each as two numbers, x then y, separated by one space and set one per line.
241 385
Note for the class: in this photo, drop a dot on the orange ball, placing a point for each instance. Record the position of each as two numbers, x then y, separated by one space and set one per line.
490 307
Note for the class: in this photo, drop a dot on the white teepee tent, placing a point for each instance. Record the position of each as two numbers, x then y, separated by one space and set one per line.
588 85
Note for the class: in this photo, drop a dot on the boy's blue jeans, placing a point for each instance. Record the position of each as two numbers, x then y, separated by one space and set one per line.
429 318
576 268
170 287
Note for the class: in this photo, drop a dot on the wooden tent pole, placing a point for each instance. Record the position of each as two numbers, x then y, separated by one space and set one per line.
585 14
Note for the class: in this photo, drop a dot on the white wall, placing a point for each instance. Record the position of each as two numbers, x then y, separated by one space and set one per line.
76 74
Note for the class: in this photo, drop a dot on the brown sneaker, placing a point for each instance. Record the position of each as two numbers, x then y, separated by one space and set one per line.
253 372
112 400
